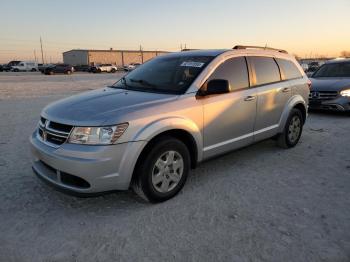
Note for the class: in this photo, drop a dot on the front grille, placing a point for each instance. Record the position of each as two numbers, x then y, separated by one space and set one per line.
53 132
64 178
74 181
60 127
323 95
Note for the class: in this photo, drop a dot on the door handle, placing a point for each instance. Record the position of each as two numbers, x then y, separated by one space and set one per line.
249 98
286 89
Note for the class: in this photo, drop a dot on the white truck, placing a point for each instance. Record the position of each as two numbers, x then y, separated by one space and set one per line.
25 66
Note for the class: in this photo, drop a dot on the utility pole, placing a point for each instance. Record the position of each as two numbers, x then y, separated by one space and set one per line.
141 54
42 53
35 56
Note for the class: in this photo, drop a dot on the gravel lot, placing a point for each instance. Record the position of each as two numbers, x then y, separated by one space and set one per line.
260 203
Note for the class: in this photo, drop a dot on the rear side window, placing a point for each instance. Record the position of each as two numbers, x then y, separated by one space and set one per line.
289 69
233 70
266 70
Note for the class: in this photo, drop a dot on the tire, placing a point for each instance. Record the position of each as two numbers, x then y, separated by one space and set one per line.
113 70
155 184
15 70
33 70
292 130
68 72
51 73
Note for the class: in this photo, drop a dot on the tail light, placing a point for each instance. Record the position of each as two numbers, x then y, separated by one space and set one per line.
309 83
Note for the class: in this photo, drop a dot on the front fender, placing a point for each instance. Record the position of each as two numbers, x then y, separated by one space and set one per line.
159 126
293 101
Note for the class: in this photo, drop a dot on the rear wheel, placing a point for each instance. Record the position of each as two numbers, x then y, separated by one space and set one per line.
68 72
292 130
113 70
33 70
163 171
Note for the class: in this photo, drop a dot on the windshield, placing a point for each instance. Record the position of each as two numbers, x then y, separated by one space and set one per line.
333 70
171 74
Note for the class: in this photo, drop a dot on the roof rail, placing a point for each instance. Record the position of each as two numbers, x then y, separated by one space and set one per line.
259 47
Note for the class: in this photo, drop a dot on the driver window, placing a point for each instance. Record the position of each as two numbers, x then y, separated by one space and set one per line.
235 71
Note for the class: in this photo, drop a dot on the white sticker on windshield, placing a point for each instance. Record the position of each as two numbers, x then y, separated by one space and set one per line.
192 64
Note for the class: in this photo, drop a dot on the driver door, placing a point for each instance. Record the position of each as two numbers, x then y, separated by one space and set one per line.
229 118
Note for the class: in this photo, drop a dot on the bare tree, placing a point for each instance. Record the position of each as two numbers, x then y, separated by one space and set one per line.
345 53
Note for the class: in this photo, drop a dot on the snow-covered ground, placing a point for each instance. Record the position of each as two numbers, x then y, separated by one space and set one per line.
28 84
260 203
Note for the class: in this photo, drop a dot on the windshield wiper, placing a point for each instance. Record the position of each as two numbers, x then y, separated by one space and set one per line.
143 82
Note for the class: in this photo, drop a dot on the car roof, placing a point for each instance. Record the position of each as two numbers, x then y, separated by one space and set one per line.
200 52
217 52
338 61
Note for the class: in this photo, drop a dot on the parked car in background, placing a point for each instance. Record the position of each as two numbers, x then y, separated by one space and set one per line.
151 127
312 67
131 66
1 68
42 67
304 66
82 68
108 68
330 88
8 67
25 66
59 69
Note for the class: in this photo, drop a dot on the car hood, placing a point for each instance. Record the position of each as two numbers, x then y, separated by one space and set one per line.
329 84
105 106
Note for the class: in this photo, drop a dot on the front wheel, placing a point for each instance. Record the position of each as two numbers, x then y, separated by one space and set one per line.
162 172
292 130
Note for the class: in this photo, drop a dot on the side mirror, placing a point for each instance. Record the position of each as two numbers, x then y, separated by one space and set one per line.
216 86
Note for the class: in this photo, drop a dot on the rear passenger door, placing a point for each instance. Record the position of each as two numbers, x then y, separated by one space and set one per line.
58 69
229 118
291 73
272 95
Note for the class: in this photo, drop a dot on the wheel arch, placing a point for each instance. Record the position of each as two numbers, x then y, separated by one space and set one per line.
180 134
296 101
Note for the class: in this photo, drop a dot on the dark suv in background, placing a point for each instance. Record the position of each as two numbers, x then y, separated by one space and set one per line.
331 86
59 68
9 66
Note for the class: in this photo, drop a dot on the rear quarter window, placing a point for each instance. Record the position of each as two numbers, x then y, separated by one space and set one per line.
289 69
266 70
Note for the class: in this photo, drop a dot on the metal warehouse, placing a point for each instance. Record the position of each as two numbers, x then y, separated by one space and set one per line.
117 57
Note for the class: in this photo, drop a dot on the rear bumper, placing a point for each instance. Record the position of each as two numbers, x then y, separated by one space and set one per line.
84 169
339 104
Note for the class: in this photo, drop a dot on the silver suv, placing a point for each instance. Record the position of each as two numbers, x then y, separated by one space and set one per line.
151 127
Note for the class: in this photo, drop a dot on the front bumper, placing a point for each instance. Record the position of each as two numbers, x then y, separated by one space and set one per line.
85 169
340 103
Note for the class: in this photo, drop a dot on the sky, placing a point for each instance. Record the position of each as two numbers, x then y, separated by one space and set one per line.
303 27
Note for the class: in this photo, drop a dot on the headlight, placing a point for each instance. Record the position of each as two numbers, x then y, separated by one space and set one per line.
105 135
345 92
